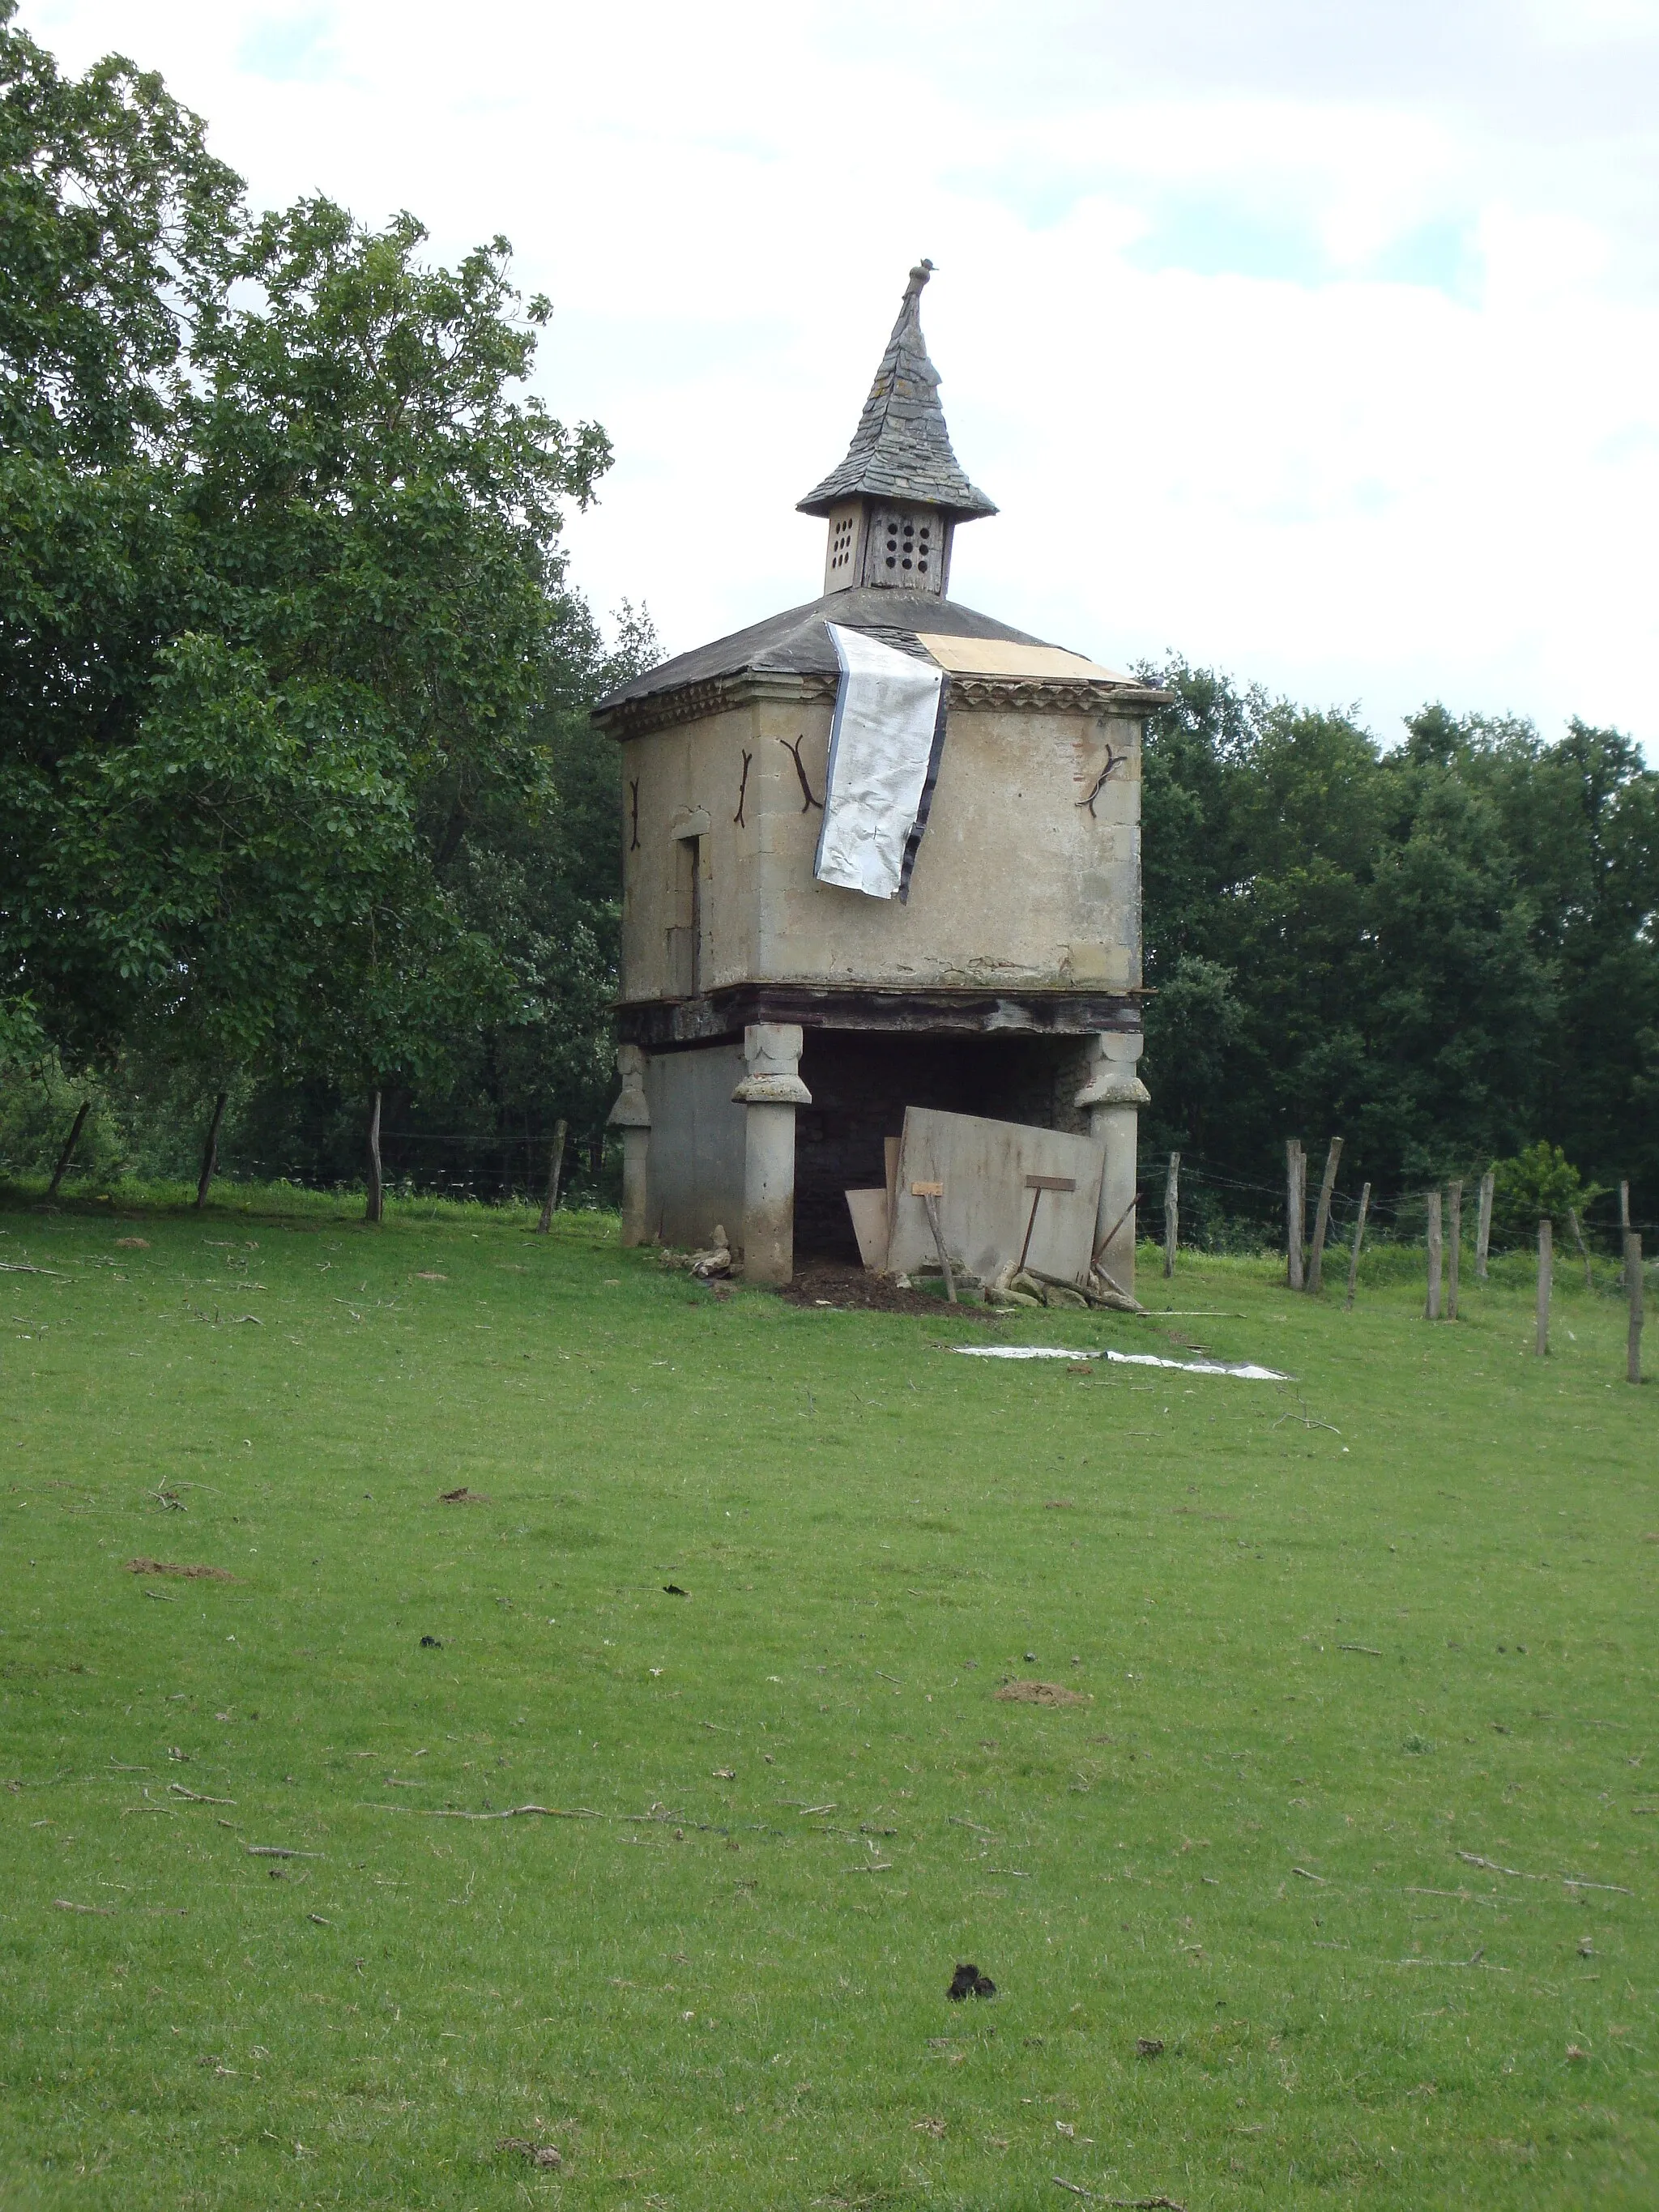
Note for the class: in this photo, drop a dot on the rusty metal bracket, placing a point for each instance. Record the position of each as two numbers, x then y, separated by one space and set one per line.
742 789
1113 760
793 751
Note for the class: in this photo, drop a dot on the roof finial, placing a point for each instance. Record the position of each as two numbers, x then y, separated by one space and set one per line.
919 276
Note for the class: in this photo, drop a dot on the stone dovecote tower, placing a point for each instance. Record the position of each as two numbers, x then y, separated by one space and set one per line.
878 851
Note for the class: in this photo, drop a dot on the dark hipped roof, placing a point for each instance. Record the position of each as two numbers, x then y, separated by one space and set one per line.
902 449
798 644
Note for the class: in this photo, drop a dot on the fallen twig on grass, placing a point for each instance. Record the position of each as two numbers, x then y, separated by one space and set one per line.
178 1790
1125 2203
277 1850
508 1812
195 1574
63 1903
1299 1412
1474 1858
1476 1959
23 1268
1571 1880
956 1820
1369 1650
1305 1875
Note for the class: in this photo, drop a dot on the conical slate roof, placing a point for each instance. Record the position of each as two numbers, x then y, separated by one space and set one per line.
902 449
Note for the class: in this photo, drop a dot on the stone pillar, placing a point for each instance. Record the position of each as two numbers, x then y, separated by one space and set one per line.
632 1116
768 1095
1112 1097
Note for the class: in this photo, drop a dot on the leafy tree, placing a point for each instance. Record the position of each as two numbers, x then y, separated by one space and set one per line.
1538 1183
281 605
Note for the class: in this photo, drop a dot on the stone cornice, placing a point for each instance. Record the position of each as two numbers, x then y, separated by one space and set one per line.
696 702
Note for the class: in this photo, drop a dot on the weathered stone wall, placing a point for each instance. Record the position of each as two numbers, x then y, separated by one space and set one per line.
696 1173
1020 880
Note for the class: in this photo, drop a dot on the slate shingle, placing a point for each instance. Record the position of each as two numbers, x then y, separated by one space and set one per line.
901 448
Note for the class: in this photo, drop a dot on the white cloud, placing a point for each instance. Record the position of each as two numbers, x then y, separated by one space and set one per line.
1319 343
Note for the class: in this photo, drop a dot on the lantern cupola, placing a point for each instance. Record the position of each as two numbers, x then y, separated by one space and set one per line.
893 505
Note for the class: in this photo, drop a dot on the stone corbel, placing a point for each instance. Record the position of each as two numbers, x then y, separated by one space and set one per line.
630 1110
1111 1079
773 1052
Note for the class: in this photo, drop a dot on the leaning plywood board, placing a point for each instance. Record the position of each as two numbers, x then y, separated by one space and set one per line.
869 1211
985 1205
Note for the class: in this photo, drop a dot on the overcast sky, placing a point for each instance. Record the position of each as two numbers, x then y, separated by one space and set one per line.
1316 339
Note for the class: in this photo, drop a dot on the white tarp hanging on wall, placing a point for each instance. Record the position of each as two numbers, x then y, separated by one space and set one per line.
880 744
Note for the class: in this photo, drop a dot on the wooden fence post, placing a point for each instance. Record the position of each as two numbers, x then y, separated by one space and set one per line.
1431 1310
1545 1252
1583 1254
1171 1212
1322 1218
1455 1192
1624 1230
1358 1232
1296 1201
67 1152
1633 1283
1482 1232
555 1167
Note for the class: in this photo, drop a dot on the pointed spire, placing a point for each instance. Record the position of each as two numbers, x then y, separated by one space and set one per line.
902 449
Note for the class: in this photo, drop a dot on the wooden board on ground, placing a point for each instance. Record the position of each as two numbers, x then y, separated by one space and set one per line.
869 1211
987 1203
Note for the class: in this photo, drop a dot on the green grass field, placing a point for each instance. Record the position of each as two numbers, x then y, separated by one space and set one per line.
1349 1647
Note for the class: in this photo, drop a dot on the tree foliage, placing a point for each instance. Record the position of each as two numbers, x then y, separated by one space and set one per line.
1444 950
285 640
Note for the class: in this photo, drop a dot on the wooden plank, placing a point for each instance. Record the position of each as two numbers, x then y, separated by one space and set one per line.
982 1164
727 1011
929 1194
1050 1182
869 1211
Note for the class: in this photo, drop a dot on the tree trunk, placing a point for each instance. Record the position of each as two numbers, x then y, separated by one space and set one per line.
69 1143
1322 1218
555 1168
210 1150
375 1208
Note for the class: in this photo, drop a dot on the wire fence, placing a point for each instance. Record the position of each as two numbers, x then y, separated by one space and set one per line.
1257 1211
